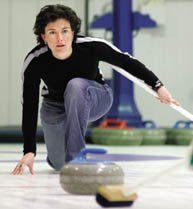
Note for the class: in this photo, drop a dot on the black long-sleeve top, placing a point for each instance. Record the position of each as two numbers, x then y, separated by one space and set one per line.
40 64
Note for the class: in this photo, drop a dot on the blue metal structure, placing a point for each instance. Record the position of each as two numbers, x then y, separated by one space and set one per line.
122 22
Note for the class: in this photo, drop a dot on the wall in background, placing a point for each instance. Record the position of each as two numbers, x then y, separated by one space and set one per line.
167 50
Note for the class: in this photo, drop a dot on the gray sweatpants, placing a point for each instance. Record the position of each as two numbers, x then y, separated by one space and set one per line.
65 123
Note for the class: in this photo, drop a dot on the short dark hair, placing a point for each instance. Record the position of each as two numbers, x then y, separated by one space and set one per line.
51 13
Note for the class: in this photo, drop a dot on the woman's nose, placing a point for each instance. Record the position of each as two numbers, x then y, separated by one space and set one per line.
59 37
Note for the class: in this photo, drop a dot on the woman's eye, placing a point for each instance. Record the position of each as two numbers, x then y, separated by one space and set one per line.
65 31
52 32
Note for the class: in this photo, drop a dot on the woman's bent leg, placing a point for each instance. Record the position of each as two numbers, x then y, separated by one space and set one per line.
84 101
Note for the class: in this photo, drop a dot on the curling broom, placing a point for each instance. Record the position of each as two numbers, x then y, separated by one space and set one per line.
121 195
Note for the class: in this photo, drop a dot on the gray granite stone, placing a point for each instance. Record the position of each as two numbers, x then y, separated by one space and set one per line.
85 179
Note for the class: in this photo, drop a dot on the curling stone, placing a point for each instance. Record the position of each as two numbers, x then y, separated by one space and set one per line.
99 135
153 135
83 176
117 137
182 133
170 136
118 134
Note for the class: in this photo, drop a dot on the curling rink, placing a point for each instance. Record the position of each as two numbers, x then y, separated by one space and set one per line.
42 191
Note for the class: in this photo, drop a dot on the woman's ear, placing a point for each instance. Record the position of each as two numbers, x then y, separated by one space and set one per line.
72 35
43 37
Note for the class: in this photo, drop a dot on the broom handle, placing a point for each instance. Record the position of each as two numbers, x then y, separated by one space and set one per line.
130 190
145 87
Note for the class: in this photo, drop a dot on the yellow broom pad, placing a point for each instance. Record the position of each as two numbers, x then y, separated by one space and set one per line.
115 193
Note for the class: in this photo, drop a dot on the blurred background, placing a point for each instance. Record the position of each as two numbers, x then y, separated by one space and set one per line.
166 49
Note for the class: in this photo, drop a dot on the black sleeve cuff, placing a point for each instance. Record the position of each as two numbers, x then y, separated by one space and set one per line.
158 85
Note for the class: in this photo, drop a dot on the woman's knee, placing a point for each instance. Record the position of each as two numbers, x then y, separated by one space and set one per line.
76 91
56 164
76 85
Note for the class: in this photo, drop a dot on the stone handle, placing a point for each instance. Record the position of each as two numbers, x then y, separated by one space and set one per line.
82 154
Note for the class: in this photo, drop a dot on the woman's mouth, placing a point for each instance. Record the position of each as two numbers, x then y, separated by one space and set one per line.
60 45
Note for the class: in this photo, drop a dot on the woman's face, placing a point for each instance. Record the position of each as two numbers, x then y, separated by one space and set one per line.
59 36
